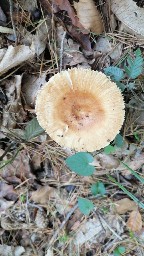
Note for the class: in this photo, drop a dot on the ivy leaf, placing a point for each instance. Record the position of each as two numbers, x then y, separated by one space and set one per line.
115 73
80 163
85 205
33 129
109 149
98 188
135 65
119 141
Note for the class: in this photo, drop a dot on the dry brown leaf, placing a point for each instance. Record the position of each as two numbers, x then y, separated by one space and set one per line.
134 222
124 205
30 86
64 5
19 168
41 219
89 16
14 56
47 194
42 195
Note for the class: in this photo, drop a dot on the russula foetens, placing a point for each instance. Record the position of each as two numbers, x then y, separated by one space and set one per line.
80 109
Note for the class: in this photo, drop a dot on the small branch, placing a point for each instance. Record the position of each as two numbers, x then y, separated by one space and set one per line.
12 21
107 225
61 50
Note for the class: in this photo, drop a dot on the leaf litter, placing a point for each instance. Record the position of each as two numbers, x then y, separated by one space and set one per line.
38 193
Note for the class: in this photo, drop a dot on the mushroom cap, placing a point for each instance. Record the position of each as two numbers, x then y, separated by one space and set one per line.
80 109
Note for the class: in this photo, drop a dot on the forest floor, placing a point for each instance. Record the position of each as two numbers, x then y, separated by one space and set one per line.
39 210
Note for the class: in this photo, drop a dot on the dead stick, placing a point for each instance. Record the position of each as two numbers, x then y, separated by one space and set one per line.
12 21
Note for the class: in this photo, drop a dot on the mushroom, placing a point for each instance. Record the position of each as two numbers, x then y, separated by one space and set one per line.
80 109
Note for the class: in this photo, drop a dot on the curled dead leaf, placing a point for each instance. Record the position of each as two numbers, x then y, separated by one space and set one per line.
89 16
124 205
134 222
14 56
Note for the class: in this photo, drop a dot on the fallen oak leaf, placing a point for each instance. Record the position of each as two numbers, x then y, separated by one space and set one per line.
134 222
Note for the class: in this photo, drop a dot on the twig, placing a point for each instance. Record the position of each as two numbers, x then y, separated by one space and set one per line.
61 50
106 224
61 226
12 21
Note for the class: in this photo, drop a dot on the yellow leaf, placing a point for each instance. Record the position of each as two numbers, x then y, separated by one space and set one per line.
89 16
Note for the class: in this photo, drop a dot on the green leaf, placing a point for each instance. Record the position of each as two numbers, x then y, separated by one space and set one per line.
33 129
80 163
119 251
121 86
136 136
119 142
115 73
135 65
98 188
109 149
85 205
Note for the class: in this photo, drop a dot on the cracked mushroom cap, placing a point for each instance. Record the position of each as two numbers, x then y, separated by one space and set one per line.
80 109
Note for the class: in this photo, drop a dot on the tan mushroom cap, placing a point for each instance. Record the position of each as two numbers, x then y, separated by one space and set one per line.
80 109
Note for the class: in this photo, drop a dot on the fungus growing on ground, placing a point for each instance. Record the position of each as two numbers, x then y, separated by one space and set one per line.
80 109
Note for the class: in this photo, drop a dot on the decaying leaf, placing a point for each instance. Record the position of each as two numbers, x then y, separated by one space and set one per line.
42 195
106 161
39 39
14 56
124 205
12 111
6 250
28 5
134 222
30 86
130 15
96 230
47 195
64 5
71 50
19 170
89 16
4 205
41 219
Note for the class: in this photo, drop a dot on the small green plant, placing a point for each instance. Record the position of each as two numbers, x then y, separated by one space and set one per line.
133 67
119 251
98 188
22 198
109 149
85 205
64 238
118 142
80 163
